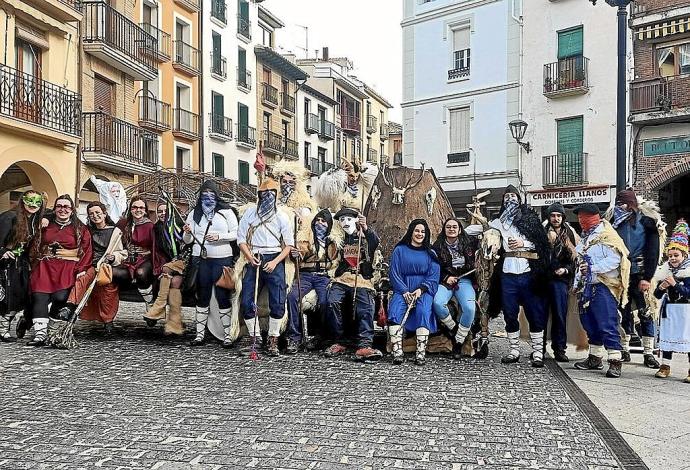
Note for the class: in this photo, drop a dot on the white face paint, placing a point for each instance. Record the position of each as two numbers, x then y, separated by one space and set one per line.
348 223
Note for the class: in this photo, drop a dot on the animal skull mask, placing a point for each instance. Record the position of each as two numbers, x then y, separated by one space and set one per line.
375 196
348 223
399 192
430 198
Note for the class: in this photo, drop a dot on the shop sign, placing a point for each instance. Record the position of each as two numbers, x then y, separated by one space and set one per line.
570 197
670 146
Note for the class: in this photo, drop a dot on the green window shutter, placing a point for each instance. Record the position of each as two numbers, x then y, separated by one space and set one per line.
570 157
218 105
570 43
243 171
218 165
244 9
241 62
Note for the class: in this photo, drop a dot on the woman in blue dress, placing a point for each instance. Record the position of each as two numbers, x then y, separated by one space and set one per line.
414 276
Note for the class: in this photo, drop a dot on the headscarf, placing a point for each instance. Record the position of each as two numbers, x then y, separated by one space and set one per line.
266 207
208 185
620 215
321 232
286 190
588 222
628 197
208 203
510 210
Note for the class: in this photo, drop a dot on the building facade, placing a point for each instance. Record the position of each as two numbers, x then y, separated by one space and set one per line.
569 103
457 102
395 143
375 128
660 104
40 102
316 132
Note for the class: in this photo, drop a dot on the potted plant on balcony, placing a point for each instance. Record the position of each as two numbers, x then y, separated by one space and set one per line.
548 84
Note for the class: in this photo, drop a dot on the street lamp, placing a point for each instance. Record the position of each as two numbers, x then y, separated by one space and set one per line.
621 122
518 127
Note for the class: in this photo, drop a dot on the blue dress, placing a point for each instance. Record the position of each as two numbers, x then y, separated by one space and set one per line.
412 269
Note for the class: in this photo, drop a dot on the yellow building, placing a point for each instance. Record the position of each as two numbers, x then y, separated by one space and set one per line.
40 104
375 128
394 143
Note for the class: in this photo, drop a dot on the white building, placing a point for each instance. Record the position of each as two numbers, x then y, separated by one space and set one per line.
569 102
231 31
316 131
461 74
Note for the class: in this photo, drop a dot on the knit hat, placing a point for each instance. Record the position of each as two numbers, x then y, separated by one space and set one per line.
556 207
628 197
679 237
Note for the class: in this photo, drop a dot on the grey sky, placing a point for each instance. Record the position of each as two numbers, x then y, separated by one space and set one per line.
366 31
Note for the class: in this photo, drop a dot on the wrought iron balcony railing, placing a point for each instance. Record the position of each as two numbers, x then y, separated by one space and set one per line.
312 124
186 124
112 137
384 131
30 99
327 130
186 58
660 94
219 11
220 126
246 135
565 169
318 167
350 123
273 142
287 103
291 148
372 124
372 156
154 114
244 79
566 77
397 159
219 66
269 94
244 27
163 49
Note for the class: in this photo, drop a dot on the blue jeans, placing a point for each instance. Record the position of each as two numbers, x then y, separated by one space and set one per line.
307 282
210 270
464 294
365 313
276 288
558 301
627 318
600 319
518 290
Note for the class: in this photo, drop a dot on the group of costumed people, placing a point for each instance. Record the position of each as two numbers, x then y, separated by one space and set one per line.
297 255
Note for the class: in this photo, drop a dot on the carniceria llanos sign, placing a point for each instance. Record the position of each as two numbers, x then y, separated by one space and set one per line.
570 197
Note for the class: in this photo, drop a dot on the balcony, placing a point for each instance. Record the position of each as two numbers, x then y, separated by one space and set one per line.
186 59
154 114
384 131
660 100
291 148
163 50
246 136
244 28
317 167
43 105
372 156
113 38
350 123
311 124
273 142
327 130
117 145
220 127
384 160
287 103
397 159
219 66
566 77
565 169
244 80
186 124
372 124
63 10
190 5
461 65
269 95
219 11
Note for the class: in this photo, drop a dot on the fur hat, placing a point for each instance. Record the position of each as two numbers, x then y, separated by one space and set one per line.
679 237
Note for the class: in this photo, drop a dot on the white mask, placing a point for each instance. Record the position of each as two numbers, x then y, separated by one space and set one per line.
348 223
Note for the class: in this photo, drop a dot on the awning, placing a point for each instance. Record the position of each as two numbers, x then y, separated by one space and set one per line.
663 29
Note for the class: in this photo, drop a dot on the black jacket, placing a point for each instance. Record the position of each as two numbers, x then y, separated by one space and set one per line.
561 257
445 259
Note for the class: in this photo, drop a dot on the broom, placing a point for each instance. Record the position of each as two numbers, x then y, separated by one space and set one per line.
62 337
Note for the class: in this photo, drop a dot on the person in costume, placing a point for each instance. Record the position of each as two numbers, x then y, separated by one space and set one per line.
353 280
212 226
20 237
65 256
347 186
106 244
414 276
456 253
673 288
266 238
641 237
562 239
171 262
523 272
601 282
139 241
112 194
315 258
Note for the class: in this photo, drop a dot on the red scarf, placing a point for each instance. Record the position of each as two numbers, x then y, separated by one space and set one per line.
588 221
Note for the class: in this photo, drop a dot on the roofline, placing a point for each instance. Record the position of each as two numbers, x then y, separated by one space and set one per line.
288 68
270 18
377 96
317 94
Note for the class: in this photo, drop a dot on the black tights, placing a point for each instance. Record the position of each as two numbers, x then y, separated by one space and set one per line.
41 301
143 276
669 355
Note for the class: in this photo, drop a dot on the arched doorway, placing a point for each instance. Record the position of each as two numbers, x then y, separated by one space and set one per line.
21 176
674 199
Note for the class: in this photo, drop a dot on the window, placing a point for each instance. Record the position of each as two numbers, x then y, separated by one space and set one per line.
307 108
286 129
242 79
102 95
673 60
183 160
569 132
267 122
307 153
322 155
216 66
243 172
459 121
217 113
460 63
569 161
266 37
243 24
218 165
570 43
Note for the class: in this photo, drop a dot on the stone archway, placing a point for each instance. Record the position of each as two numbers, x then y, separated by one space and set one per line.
23 175
669 184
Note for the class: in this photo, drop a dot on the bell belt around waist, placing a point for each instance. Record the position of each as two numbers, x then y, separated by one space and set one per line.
522 254
62 253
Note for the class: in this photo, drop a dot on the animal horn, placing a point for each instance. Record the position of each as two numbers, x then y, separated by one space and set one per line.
421 175
385 178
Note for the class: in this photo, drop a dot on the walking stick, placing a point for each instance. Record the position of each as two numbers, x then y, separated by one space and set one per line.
253 355
359 254
302 315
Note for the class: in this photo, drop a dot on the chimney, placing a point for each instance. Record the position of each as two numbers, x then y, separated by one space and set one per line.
325 54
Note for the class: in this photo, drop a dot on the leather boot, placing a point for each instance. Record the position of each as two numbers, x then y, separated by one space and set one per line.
663 372
157 310
174 325
591 363
615 366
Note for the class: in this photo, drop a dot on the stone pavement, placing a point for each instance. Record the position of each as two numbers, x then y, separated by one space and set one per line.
145 401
